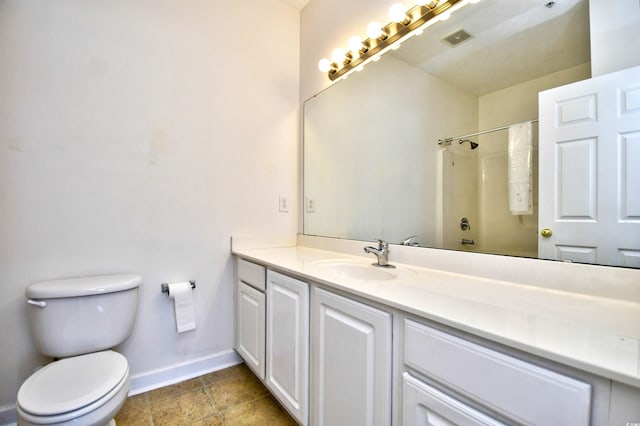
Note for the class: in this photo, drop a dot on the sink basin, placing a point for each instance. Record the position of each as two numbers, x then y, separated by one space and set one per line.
354 270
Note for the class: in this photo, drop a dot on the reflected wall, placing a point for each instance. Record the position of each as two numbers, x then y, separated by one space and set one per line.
373 167
371 156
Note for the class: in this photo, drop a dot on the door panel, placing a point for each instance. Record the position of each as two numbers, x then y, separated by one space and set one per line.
288 343
589 170
351 362
250 327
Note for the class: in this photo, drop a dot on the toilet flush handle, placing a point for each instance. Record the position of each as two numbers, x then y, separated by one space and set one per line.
38 303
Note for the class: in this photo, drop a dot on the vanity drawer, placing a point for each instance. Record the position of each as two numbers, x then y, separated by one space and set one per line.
523 392
423 404
252 274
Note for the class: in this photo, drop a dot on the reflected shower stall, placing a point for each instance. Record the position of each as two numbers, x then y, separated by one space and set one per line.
476 212
459 186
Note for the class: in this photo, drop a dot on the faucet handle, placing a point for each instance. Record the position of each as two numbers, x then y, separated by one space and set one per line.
409 241
382 244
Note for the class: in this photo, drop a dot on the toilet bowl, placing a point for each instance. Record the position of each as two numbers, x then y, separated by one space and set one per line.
78 320
82 390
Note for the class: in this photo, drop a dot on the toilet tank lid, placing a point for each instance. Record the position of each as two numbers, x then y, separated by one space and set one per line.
83 286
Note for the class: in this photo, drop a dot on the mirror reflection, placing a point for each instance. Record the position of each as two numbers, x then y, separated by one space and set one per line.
438 140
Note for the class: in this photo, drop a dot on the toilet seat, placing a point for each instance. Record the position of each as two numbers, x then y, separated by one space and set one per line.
72 387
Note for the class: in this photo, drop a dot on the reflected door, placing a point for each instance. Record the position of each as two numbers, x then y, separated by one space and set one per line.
590 171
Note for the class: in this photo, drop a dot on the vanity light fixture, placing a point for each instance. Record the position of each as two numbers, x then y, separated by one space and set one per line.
356 46
339 56
398 14
404 23
375 31
325 65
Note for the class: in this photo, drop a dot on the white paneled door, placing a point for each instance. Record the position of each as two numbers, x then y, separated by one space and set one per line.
350 362
590 171
288 343
250 327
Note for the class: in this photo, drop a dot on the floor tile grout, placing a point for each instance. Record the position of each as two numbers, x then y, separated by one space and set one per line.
234 396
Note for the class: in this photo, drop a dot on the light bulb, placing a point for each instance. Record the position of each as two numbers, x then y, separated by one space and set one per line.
444 16
473 1
324 65
339 56
355 44
374 30
398 14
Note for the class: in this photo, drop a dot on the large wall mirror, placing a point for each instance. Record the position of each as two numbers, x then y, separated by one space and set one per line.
417 144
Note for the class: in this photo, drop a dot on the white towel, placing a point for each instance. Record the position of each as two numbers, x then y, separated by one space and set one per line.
520 177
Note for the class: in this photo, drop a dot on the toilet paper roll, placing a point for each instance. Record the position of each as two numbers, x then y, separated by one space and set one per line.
182 296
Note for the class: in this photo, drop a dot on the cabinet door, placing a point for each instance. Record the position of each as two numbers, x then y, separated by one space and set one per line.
288 343
250 327
425 405
350 362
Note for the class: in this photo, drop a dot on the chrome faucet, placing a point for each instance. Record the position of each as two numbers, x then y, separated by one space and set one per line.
382 253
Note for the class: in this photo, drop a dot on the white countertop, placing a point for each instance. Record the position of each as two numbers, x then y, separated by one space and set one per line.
595 334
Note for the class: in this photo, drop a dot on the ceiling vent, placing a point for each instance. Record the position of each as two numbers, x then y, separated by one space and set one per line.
457 37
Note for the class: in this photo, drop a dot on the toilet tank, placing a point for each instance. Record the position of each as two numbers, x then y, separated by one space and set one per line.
76 316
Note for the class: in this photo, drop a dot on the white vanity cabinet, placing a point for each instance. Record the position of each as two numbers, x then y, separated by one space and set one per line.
515 390
332 358
350 362
287 347
250 315
272 333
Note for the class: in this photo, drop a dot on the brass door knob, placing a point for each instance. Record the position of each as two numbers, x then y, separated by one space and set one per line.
546 233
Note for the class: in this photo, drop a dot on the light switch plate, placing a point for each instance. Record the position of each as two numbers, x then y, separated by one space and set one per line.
283 204
309 205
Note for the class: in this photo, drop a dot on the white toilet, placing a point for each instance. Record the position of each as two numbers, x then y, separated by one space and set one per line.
77 321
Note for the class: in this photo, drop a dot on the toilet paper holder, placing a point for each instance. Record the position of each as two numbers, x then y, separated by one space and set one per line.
164 287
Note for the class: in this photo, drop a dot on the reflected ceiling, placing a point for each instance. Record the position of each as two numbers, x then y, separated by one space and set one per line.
511 34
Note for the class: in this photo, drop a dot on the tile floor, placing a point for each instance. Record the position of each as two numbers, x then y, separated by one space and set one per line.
233 396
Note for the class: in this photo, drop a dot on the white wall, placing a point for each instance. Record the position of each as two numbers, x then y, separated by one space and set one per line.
614 35
139 136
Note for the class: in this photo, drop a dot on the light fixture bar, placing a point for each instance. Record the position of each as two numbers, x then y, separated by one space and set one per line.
419 16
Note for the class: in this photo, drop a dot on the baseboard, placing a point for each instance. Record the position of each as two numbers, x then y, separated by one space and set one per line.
8 415
179 372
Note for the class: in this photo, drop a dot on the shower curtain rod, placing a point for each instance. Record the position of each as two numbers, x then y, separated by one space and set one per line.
441 141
